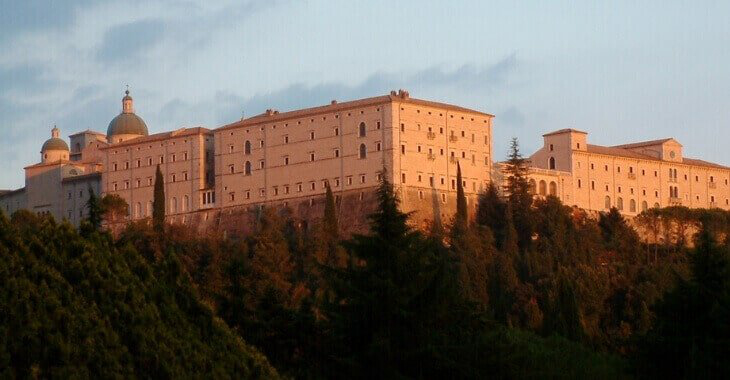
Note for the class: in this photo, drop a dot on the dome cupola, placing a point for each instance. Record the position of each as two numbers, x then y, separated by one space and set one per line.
54 149
127 125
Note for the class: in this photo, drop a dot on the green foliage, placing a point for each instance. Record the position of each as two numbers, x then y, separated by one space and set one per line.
95 210
519 196
158 203
80 307
691 336
114 207
462 216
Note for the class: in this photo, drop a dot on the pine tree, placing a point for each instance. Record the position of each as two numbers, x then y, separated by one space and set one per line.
490 212
95 210
158 205
518 194
393 298
503 279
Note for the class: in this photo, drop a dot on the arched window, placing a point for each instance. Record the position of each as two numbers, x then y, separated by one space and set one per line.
607 204
247 168
551 163
149 208
543 188
363 151
186 203
247 147
138 210
656 205
553 189
363 130
533 186
174 205
644 206
632 205
620 203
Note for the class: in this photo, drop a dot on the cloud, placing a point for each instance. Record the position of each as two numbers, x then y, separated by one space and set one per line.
126 42
19 17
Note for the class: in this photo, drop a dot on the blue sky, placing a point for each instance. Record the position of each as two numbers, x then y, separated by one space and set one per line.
621 70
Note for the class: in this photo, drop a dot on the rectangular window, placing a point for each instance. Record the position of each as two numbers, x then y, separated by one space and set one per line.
261 164
311 135
337 131
311 156
286 160
403 178
337 153
286 139
402 149
299 187
362 178
349 180
248 194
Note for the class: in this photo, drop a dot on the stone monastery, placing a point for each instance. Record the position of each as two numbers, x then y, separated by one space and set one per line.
217 178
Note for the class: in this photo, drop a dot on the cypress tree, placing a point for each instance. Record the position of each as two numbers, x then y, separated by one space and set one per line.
462 217
158 205
330 215
95 210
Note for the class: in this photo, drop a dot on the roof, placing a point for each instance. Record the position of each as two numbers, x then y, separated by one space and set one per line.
159 136
646 143
81 177
336 106
127 124
624 152
53 163
565 130
11 192
54 143
88 131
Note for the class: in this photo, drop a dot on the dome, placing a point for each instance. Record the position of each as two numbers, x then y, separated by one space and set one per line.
54 143
127 124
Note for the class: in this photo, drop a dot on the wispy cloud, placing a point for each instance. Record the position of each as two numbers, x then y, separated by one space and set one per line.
126 42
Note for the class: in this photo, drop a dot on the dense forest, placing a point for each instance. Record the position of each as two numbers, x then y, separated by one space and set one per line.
527 288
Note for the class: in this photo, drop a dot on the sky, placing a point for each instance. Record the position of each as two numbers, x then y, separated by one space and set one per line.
622 71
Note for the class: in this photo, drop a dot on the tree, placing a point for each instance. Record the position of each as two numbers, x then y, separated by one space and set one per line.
691 336
330 215
503 279
564 317
158 204
519 196
392 300
490 212
462 216
95 211
115 208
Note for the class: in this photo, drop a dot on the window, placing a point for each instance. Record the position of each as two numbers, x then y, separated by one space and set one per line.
362 178
261 142
349 180
402 149
126 165
186 203
377 125
551 147
402 127
593 185
139 163
377 146
542 188
551 163
337 131
364 151
286 139
362 130
247 147
115 166
247 168
311 156
607 202
312 186
232 197
185 156
311 135
337 153
162 159
632 205
149 161
553 189
299 187
231 169
286 160
644 206
248 194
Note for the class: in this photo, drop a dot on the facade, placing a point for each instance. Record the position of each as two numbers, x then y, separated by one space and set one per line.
631 177
280 159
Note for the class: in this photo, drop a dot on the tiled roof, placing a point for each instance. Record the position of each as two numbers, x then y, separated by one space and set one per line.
621 152
645 143
336 107
159 136
565 130
89 132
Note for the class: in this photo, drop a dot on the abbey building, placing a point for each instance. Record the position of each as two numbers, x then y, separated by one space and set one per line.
217 178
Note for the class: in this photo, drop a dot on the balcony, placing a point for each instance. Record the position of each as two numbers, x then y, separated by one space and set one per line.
713 185
431 156
431 135
632 175
453 138
673 201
